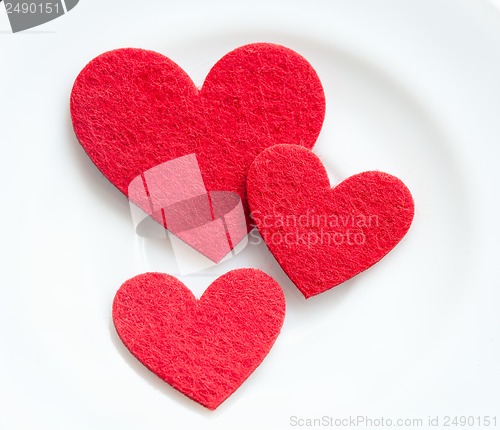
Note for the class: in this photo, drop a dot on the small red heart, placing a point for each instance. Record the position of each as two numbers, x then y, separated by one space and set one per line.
322 236
134 109
204 348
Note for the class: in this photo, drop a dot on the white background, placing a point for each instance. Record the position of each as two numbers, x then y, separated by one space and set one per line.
412 87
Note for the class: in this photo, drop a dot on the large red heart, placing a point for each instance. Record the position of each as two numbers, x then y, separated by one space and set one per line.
204 348
134 109
322 236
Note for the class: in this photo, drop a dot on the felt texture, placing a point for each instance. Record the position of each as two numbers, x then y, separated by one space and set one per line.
204 348
321 236
134 109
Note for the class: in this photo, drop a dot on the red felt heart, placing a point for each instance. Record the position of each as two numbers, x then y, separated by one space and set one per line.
321 236
134 109
204 348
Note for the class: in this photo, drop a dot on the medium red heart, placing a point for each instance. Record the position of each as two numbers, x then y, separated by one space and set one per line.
134 109
321 236
204 348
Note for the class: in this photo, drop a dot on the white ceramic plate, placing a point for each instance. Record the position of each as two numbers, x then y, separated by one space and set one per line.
413 89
